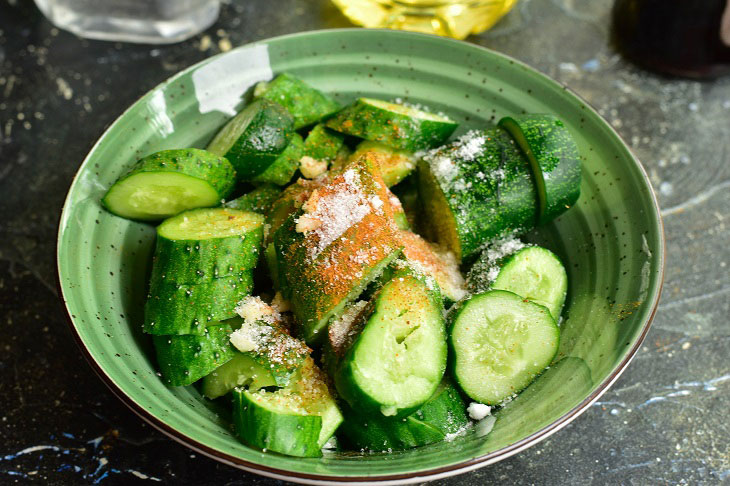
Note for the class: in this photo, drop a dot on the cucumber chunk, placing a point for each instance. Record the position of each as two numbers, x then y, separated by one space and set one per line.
476 189
394 125
306 104
173 308
323 266
323 144
398 360
395 165
186 359
285 166
201 244
554 158
441 415
297 420
260 200
499 343
536 274
168 182
255 138
241 370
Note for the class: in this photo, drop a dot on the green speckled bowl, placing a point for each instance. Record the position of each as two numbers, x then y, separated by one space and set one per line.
611 241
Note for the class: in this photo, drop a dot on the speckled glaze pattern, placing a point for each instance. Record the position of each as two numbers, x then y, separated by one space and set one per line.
611 241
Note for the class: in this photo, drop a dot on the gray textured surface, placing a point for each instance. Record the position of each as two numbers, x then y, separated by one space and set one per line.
664 421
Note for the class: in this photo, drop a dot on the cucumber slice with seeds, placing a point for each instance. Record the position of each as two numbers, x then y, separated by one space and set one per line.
186 359
536 274
168 182
297 420
255 138
306 104
398 360
554 159
499 343
394 125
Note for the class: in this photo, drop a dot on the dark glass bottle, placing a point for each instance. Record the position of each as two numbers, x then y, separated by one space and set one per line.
689 38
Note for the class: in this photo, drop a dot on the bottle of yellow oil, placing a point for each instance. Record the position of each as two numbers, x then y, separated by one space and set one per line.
452 18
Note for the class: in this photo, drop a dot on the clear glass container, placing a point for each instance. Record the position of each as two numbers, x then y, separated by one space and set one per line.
144 21
451 18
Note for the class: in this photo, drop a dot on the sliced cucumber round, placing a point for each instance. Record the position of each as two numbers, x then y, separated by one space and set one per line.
536 274
394 125
499 343
306 104
201 244
168 182
260 200
296 420
554 158
186 359
255 138
398 360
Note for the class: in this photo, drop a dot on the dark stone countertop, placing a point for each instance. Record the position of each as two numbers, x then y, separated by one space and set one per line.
664 421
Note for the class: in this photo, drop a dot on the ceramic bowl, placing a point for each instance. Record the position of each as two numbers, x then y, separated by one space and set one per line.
611 241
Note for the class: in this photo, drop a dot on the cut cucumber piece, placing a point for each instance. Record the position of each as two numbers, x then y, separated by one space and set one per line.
297 420
441 415
324 266
186 359
323 144
499 343
395 165
485 269
554 158
255 138
536 274
394 125
287 204
285 166
407 194
476 189
398 360
306 104
201 244
168 182
260 200
241 370
173 308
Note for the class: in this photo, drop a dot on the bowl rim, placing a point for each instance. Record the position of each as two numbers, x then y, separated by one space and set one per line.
383 479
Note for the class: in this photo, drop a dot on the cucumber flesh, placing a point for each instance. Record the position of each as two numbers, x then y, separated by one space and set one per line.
210 223
168 182
536 274
241 370
395 165
398 360
500 343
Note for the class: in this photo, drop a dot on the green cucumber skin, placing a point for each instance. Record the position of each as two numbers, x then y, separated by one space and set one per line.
263 140
184 360
293 435
346 370
491 206
285 166
306 104
391 129
260 200
323 144
196 261
217 171
386 433
445 410
173 308
554 158
453 317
